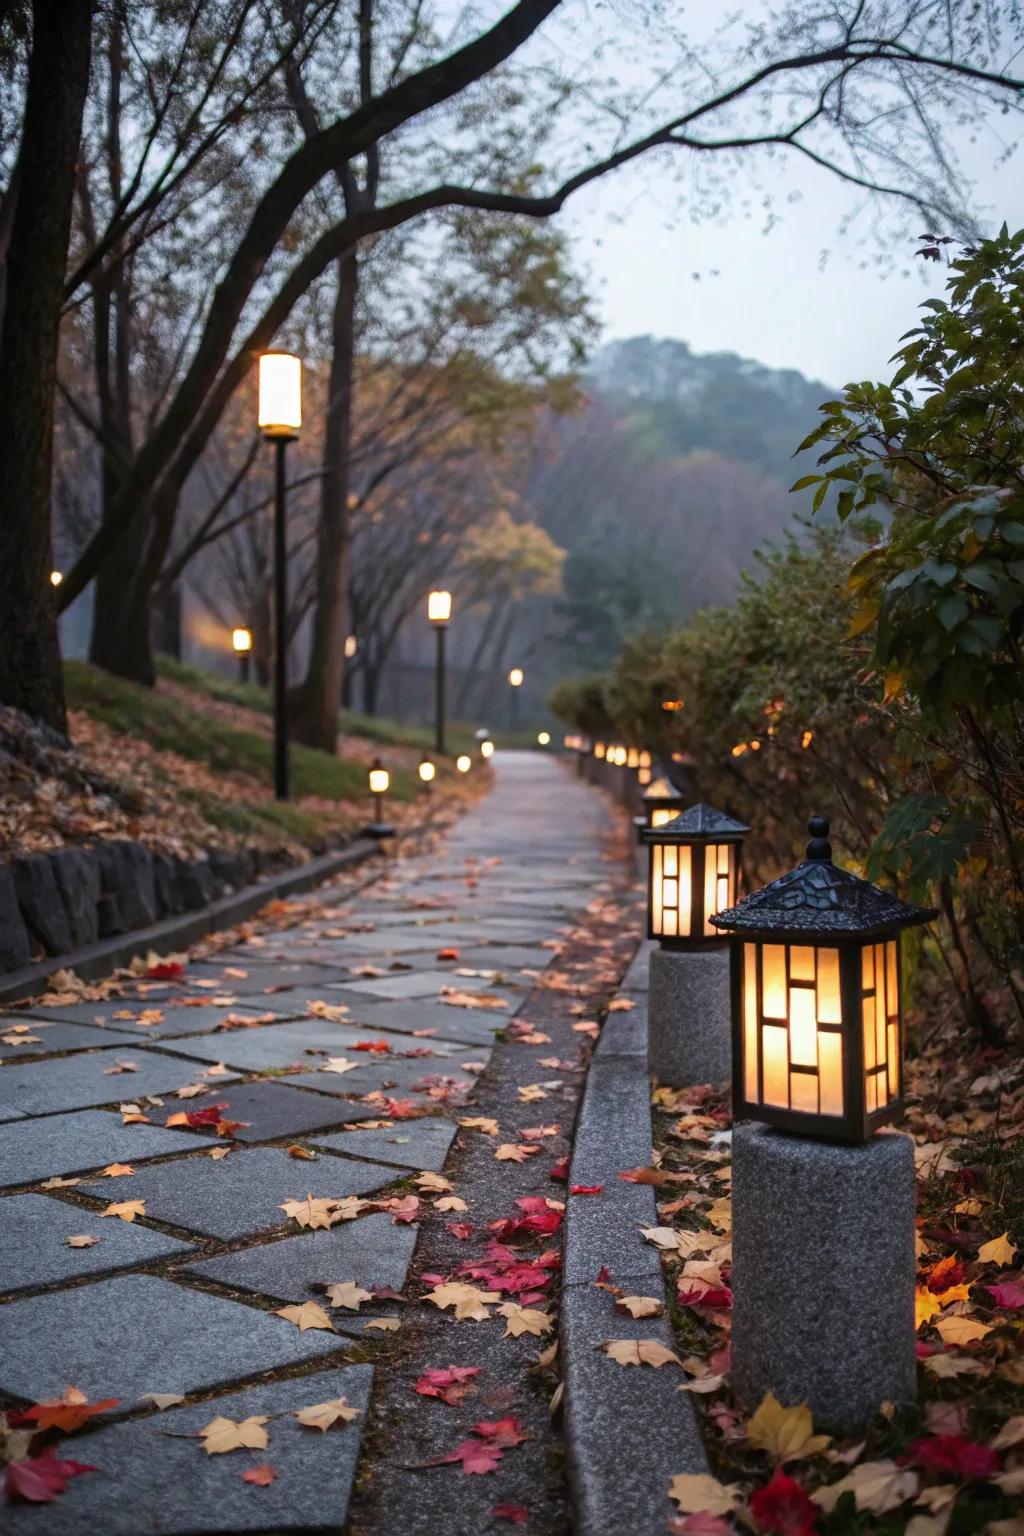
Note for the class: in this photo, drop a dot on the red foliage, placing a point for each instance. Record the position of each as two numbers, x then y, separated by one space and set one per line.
586 1189
518 1514
451 1385
41 1479
1009 1295
955 1456
784 1508
165 970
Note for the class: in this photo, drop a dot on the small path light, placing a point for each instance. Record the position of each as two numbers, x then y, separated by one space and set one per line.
662 802
516 679
351 646
56 577
427 772
543 738
644 768
241 644
380 783
280 418
693 873
483 737
818 1061
463 763
439 614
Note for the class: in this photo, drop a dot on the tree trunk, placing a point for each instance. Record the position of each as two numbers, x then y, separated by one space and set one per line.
58 77
121 640
319 698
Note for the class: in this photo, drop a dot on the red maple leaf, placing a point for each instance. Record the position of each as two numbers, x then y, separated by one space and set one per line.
41 1479
403 1109
261 1476
1009 1295
67 1413
559 1171
955 1456
451 1385
586 1189
406 1209
698 1295
380 1047
518 1514
504 1432
460 1229
210 1116
448 954
946 1273
165 970
476 1456
784 1508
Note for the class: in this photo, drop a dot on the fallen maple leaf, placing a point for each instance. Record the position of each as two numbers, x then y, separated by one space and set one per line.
261 1476
531 1093
447 954
41 1479
384 1324
998 1251
477 1456
783 1507
127 1210
586 1189
83 1240
620 1005
456 999
520 1320
468 1301
118 1171
450 1203
303 1154
332 1012
451 1385
67 1413
1009 1295
58 1183
785 1434
518 1514
955 1456
163 1400
310 1212
309 1315
165 970
639 1352
322 1415
509 1152
223 1435
640 1306
339 1064
348 1295
505 1432
961 1330
699 1493
432 1183
877 1487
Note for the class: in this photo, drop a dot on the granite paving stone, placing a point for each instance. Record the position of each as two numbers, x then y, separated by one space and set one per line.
261 975
142 1333
274 1109
74 1143
242 1193
154 1480
409 1143
282 1045
373 1250
82 1081
175 1020
43 1039
34 1250
413 985
391 1074
470 1026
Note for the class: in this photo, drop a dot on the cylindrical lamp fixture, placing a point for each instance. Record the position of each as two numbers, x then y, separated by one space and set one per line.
280 416
817 1019
379 782
241 644
280 395
427 772
439 607
439 613
463 763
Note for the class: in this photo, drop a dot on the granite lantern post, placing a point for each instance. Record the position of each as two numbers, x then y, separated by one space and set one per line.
823 1207
693 873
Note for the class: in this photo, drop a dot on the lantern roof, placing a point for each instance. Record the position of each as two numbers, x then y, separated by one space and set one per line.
698 821
662 788
820 898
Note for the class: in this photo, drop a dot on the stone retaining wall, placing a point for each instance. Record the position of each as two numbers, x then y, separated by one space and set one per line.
56 902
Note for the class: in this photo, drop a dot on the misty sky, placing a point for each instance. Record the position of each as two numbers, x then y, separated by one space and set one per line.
772 300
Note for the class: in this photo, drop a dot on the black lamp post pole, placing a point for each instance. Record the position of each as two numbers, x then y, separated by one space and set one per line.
439 683
280 623
243 667
515 710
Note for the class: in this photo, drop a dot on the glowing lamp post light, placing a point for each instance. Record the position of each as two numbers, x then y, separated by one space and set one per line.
427 773
280 418
487 749
463 763
241 644
662 802
693 874
818 1066
380 782
439 614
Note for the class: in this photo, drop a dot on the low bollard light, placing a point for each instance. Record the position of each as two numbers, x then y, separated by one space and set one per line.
427 772
818 1068
463 763
380 782
693 873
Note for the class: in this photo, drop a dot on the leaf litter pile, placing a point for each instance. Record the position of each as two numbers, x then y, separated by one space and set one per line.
954 1464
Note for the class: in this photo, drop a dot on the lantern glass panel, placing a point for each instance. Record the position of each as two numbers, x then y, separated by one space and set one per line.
379 781
880 1007
792 1029
280 394
719 882
671 890
661 814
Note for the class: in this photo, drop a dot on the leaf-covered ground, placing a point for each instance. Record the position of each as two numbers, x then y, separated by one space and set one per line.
954 1464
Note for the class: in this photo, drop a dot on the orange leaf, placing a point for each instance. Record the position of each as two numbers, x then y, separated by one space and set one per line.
261 1476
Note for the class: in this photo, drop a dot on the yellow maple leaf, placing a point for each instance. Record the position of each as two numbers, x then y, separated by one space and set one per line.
384 1324
697 1493
510 1152
468 1301
450 1203
480 1123
222 1435
163 1400
639 1352
126 1209
998 1251
785 1434
348 1295
81 1241
310 1212
118 1170
640 1306
926 1305
432 1183
322 1415
961 1330
520 1320
309 1315
877 1487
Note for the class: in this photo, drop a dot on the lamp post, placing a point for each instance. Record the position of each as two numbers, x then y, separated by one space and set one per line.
818 1069
241 644
439 613
693 874
516 679
379 781
280 417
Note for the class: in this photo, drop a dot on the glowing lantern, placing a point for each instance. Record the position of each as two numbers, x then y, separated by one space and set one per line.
600 750
516 677
426 771
463 763
662 802
694 874
487 749
439 607
380 779
351 646
56 577
280 394
241 641
817 1025
543 738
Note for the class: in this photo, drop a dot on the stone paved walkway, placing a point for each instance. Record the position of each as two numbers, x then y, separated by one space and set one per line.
338 1040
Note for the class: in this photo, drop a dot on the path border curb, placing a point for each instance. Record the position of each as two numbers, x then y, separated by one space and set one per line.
628 1430
99 959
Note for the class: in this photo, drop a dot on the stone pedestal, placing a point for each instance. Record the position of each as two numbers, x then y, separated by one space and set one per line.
823 1273
689 1019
